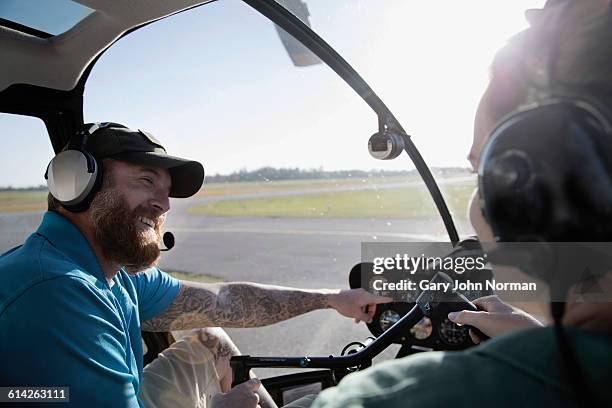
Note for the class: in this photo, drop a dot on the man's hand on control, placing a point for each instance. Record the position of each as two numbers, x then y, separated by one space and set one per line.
356 303
495 318
243 396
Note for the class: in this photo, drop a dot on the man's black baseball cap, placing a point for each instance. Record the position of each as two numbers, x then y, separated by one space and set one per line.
115 141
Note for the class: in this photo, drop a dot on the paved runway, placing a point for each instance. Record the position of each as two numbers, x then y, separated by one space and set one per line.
306 253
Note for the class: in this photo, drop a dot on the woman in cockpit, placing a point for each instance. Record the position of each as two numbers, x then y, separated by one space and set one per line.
543 150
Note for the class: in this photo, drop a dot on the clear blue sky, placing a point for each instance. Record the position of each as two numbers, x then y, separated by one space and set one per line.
216 85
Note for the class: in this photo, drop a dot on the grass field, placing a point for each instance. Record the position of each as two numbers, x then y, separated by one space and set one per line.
15 201
194 277
402 202
288 186
373 201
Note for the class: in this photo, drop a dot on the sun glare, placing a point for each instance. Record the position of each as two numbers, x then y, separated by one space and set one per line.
441 55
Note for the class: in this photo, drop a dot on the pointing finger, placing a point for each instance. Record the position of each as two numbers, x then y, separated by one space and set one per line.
466 317
381 299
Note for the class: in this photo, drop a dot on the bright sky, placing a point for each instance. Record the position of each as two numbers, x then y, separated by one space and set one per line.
215 84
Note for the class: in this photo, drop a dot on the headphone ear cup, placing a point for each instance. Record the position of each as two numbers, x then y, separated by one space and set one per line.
73 177
84 205
545 174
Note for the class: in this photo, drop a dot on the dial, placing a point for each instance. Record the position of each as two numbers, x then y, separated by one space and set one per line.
422 329
388 318
451 333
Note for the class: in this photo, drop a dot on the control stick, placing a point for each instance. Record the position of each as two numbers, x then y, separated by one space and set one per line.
425 305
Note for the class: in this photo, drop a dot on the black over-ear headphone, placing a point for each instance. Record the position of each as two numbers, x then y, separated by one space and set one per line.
545 174
74 175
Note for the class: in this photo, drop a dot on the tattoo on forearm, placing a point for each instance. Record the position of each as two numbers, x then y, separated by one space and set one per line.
218 346
233 305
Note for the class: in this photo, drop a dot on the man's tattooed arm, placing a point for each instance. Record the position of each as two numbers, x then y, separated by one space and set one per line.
235 305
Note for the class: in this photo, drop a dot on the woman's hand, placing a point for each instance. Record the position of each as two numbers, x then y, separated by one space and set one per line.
495 318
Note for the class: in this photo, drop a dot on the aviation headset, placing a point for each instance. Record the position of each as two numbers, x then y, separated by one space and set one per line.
545 172
74 175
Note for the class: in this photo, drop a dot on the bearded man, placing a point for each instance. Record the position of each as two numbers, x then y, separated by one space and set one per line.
75 296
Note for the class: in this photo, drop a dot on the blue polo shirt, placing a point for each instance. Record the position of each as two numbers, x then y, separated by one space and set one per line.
62 325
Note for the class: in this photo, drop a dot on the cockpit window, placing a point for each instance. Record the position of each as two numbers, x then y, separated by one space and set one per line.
291 190
42 18
23 192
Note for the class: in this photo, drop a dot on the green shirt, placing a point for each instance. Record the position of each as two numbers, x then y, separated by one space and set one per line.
520 369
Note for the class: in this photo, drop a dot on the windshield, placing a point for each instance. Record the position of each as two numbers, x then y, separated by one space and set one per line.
291 191
428 61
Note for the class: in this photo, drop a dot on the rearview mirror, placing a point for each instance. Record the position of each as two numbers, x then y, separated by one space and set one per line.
385 145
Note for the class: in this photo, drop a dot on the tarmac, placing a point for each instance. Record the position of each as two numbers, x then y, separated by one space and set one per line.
303 253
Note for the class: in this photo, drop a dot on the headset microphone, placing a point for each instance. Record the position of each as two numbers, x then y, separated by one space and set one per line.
168 241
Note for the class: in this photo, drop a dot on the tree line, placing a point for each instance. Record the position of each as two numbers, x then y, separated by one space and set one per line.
278 174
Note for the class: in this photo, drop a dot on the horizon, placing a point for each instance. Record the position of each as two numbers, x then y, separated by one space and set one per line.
371 172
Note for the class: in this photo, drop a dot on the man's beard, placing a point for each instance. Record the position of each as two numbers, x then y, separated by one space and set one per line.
124 239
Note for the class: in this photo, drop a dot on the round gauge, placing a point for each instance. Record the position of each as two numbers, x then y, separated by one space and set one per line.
451 333
388 318
422 329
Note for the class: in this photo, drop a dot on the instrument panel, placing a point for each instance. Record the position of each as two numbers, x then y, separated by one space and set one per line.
435 332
